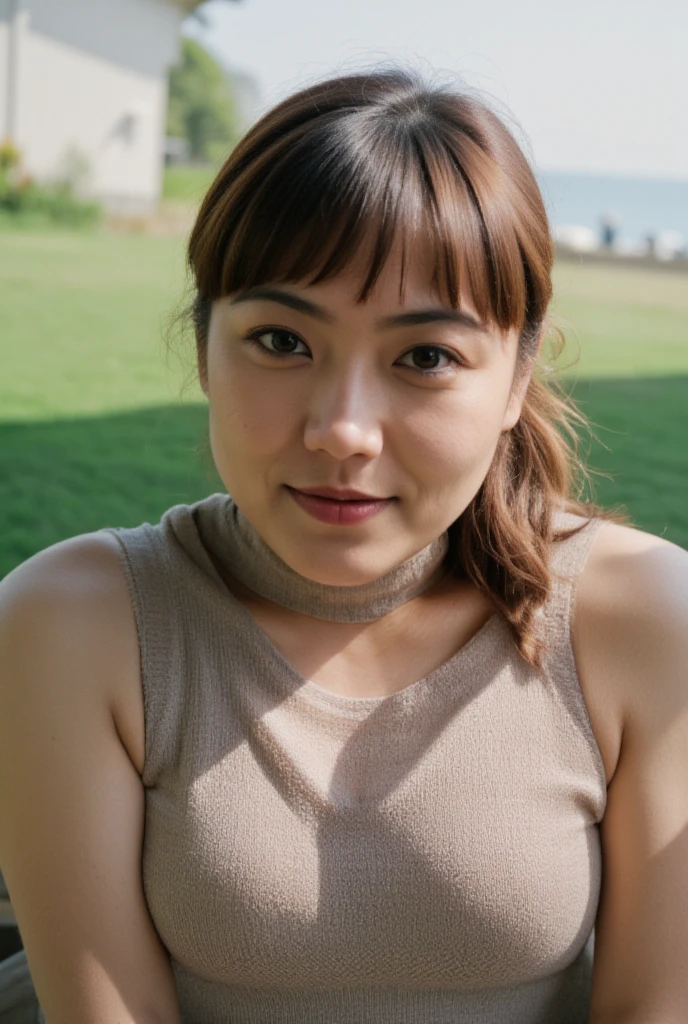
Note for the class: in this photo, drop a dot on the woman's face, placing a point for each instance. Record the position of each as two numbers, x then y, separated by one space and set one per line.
404 402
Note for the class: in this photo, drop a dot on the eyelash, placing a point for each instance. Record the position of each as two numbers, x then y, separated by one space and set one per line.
253 337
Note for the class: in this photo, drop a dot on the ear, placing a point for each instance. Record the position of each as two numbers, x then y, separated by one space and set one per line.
514 407
202 364
515 404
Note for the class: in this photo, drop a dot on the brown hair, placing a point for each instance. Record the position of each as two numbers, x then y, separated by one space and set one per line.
378 155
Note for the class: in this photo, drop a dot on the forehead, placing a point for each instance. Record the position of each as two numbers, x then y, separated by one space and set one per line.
406 280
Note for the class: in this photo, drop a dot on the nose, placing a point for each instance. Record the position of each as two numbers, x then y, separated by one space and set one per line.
344 416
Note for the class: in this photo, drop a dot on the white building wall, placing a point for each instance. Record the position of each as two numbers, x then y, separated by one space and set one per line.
113 116
4 67
92 77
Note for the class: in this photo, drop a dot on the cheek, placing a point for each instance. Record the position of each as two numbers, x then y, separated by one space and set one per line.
458 433
249 413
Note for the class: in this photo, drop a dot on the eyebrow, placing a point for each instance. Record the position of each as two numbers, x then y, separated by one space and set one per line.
412 318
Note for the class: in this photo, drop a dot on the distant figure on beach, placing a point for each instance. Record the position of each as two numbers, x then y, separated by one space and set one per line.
610 225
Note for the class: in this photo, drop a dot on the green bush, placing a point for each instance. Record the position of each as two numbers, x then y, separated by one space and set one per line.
27 202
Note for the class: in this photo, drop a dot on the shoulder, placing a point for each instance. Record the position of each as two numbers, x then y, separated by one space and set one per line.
79 567
74 589
630 622
633 579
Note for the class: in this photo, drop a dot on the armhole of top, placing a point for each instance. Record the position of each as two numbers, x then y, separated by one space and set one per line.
144 570
572 558
576 557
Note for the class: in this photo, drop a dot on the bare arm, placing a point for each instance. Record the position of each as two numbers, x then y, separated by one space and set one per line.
637 607
71 801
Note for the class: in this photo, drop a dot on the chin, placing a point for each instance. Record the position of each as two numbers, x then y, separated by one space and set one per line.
330 574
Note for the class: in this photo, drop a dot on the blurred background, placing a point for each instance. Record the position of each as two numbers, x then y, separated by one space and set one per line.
114 118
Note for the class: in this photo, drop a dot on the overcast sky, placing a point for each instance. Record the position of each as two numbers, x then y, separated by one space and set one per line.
597 85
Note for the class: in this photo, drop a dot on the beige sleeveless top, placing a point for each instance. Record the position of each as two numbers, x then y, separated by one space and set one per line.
429 857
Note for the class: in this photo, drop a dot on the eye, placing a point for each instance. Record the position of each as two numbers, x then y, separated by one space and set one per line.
279 342
427 359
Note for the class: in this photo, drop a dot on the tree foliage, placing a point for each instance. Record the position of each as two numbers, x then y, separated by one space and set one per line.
201 107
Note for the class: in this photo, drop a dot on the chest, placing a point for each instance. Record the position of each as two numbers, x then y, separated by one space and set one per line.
364 661
375 659
383 658
446 847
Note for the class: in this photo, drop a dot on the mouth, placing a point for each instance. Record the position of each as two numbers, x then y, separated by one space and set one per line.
337 507
338 494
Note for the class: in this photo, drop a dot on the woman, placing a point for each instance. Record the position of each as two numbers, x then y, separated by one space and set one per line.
394 709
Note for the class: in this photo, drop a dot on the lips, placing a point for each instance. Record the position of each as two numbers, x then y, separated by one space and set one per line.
339 494
320 504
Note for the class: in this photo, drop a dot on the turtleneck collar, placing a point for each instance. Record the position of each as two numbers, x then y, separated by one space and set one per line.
249 560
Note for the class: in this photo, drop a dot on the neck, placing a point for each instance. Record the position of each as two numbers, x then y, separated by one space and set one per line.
257 567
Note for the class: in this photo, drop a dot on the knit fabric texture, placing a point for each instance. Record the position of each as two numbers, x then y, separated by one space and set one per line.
429 857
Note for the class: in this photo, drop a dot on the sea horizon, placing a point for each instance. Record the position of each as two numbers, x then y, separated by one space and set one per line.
641 206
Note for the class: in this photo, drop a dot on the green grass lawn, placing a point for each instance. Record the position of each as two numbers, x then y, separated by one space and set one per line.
93 431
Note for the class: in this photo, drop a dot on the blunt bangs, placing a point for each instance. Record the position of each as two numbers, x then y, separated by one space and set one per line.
305 199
